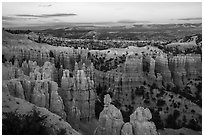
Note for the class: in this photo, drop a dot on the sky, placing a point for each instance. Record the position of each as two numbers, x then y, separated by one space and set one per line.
36 13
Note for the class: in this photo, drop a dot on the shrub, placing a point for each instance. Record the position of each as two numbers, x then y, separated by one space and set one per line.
126 115
194 125
176 114
18 124
98 108
160 103
171 122
157 119
146 101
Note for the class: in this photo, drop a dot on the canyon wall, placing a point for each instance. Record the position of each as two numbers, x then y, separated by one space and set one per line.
64 81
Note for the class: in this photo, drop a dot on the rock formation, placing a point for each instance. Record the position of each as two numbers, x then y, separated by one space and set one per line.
177 66
161 66
81 89
37 88
127 129
184 67
56 103
11 71
141 125
151 74
59 56
110 119
42 93
15 88
75 115
85 95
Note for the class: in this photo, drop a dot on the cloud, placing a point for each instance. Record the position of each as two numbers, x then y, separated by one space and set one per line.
198 18
45 5
47 15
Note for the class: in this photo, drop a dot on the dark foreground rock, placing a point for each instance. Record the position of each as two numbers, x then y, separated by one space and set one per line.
53 123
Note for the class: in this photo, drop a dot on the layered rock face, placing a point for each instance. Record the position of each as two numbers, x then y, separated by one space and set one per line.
81 89
133 72
15 88
193 66
133 67
151 71
161 66
111 121
10 71
45 95
64 56
184 68
177 66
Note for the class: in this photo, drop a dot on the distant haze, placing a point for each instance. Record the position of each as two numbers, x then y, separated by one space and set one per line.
37 14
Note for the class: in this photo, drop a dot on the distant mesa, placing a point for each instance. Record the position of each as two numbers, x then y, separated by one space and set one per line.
132 21
6 18
199 18
45 5
12 18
